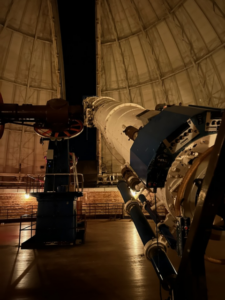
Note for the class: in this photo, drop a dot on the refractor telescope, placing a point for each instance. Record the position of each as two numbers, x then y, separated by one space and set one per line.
173 160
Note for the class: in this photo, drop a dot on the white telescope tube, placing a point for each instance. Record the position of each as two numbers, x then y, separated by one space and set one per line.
111 117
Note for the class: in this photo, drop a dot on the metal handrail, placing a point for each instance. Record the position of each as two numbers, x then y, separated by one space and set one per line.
12 212
69 174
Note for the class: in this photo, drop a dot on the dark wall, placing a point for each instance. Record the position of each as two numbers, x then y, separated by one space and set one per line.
89 169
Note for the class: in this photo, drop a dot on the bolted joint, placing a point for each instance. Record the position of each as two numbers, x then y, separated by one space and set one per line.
151 246
130 177
130 204
133 182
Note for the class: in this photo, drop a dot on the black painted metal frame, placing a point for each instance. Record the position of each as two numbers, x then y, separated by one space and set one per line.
191 279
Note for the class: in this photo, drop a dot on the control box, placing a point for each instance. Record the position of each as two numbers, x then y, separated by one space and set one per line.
181 136
213 120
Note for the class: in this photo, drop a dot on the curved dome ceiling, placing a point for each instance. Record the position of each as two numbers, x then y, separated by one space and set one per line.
148 52
160 51
29 74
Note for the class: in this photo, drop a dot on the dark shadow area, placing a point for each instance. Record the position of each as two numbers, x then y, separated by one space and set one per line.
78 41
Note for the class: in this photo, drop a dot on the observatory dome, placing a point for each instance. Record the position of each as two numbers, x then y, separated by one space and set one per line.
164 51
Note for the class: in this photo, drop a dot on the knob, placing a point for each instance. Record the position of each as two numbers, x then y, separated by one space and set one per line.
190 130
186 134
177 140
213 122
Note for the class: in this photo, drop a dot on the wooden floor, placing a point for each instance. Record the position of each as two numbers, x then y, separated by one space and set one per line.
109 266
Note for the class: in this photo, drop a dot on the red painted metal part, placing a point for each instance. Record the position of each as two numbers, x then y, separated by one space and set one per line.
75 129
2 127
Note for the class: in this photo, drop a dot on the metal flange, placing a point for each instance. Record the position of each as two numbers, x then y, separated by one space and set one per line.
130 204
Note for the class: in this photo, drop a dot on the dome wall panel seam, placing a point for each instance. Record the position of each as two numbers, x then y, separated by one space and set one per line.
174 73
181 56
146 29
211 58
26 34
148 39
119 48
28 82
190 51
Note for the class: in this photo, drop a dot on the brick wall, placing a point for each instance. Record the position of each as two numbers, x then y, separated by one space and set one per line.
101 197
14 199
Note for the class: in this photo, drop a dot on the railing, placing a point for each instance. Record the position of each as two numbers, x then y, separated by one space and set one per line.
89 210
14 212
30 228
34 184
94 210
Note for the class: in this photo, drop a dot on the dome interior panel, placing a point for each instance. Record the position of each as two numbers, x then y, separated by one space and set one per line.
17 14
146 11
148 96
159 8
106 26
29 20
4 9
203 26
190 35
136 96
121 21
27 75
44 28
186 92
11 60
119 68
129 18
139 59
129 63
170 45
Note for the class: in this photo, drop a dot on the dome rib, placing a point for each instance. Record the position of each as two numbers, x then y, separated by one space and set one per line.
139 32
